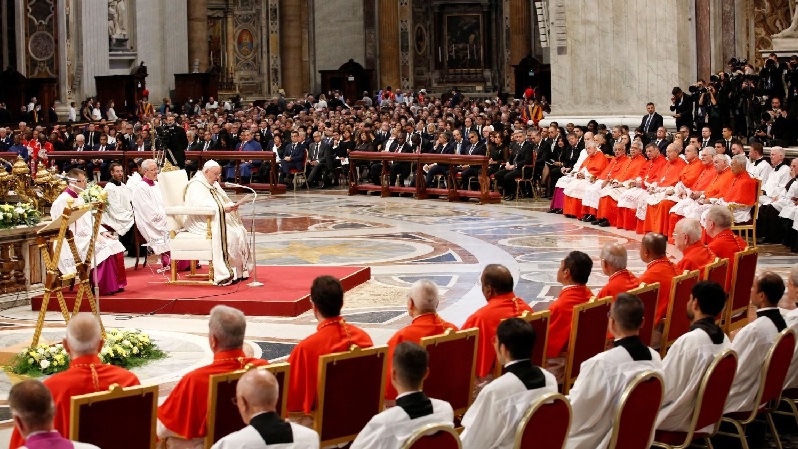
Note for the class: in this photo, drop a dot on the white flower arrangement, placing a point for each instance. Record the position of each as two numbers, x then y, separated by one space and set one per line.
94 194
20 214
125 348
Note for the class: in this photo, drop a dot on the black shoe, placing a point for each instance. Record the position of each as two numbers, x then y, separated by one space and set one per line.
509 197
599 221
594 222
588 218
605 224
570 216
558 211
551 211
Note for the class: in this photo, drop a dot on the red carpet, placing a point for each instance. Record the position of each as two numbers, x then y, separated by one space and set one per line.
286 292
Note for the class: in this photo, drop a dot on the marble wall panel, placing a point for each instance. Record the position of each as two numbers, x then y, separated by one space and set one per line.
94 41
339 34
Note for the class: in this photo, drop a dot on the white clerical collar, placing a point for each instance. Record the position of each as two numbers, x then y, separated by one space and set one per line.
766 308
407 393
514 362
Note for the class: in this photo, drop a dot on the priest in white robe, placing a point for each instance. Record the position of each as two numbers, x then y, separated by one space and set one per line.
778 179
691 355
118 214
758 167
109 271
602 379
754 341
413 410
491 421
231 253
791 318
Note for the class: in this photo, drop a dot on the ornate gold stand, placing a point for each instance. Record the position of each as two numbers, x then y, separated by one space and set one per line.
55 279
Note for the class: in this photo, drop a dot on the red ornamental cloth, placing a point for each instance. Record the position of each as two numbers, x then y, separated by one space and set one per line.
487 319
724 245
186 408
332 335
621 281
85 375
695 257
663 271
424 325
562 311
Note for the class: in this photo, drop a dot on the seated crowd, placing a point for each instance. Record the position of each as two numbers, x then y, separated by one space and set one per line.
506 340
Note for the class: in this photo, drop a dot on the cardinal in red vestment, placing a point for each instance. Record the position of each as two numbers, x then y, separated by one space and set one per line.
333 334
657 213
497 287
613 264
653 171
610 172
573 275
183 414
86 373
658 269
421 306
687 238
593 166
607 213
693 205
725 244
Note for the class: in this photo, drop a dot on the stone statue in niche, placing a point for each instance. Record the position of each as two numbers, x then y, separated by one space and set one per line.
792 30
117 24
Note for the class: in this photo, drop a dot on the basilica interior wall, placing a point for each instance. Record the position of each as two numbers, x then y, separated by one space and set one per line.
339 35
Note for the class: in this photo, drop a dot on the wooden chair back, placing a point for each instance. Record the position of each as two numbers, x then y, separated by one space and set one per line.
95 417
434 436
452 366
716 271
540 322
747 230
635 418
676 321
588 336
350 392
648 294
736 315
223 416
545 424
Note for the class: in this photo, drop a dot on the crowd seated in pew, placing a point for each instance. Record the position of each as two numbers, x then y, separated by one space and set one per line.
506 404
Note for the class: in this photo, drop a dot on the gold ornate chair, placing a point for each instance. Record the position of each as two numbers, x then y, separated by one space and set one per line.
351 390
636 415
185 245
676 321
540 322
433 436
223 417
747 229
452 364
743 274
588 336
95 418
649 295
545 424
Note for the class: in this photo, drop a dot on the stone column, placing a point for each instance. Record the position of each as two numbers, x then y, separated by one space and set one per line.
703 39
94 43
520 32
291 46
198 34
729 31
230 46
388 13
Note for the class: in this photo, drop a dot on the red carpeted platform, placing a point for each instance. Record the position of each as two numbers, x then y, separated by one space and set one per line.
286 292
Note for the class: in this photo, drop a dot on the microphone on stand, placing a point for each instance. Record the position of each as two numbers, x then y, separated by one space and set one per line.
233 185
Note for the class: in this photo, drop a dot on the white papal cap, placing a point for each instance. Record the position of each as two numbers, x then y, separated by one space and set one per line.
209 165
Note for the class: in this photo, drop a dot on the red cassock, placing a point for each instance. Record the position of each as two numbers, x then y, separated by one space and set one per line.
332 335
657 215
562 311
663 271
635 168
185 410
742 190
487 319
719 185
424 325
85 375
611 171
673 172
695 257
653 172
594 164
724 245
621 281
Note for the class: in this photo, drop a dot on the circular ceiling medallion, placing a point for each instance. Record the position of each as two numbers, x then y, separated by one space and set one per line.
41 46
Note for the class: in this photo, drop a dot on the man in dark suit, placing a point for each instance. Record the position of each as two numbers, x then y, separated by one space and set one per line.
651 121
682 107
92 136
523 152
294 156
101 163
543 152
475 147
443 147
321 158
660 139
400 170
566 159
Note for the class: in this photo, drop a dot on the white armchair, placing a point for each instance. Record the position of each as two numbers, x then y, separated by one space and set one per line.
185 245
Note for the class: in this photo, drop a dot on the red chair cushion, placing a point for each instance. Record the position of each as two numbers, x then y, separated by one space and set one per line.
439 440
548 427
649 300
100 422
639 414
449 377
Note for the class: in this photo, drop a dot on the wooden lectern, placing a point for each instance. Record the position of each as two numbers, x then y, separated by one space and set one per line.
50 240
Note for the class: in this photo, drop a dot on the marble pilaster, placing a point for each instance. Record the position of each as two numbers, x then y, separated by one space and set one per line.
520 31
388 14
703 38
162 45
94 42
291 46
198 34
613 67
330 19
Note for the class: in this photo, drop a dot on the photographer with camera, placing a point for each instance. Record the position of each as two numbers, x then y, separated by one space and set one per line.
791 78
771 77
173 140
682 107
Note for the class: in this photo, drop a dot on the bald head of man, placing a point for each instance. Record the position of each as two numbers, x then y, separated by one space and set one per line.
653 247
496 280
257 392
84 336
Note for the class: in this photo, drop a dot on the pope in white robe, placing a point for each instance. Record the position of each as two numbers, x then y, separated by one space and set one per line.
752 344
108 258
491 421
231 252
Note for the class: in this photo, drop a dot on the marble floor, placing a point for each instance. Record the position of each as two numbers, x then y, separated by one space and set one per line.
402 240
